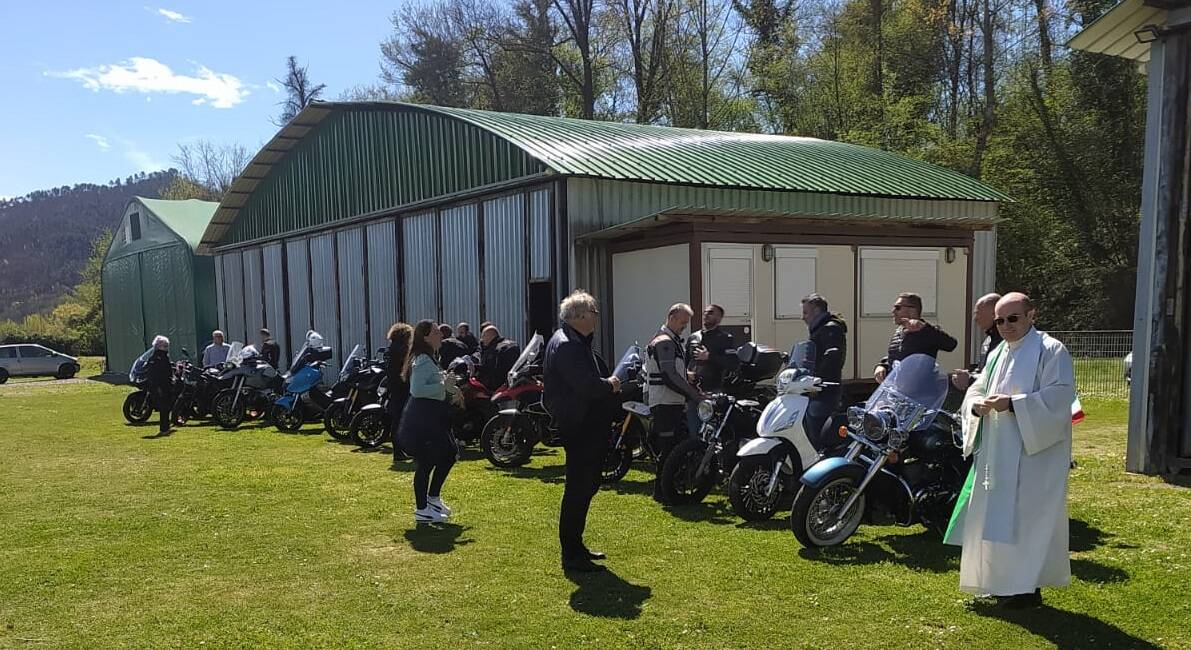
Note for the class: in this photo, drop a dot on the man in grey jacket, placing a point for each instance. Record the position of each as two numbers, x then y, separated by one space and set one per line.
667 388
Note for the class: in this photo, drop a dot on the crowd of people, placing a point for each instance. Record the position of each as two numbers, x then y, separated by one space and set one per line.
1012 524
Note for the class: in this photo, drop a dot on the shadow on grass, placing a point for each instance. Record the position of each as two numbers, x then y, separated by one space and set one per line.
923 551
1086 537
607 595
436 538
1067 630
547 474
624 486
712 512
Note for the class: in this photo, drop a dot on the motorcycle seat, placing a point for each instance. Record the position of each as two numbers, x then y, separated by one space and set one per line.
636 407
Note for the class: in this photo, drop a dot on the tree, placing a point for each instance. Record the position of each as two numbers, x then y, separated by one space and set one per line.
299 91
523 63
182 188
647 28
426 55
704 84
210 166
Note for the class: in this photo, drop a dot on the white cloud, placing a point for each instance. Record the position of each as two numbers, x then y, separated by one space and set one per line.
144 161
171 16
145 75
272 85
99 141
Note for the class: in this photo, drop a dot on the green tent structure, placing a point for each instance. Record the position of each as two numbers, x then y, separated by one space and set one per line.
154 283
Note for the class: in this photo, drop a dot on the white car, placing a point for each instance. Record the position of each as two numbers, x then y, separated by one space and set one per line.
31 360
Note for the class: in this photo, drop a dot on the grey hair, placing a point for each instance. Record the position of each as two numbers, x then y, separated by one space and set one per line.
218 333
576 305
159 341
680 307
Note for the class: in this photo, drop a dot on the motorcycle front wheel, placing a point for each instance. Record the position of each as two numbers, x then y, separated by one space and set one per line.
287 420
748 486
507 441
815 517
183 410
369 429
682 482
617 462
337 421
227 414
138 407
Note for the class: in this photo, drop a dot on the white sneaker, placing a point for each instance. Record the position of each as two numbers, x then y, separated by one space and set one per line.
428 515
438 504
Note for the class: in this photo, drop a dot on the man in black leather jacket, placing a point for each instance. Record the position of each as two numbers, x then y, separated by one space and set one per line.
829 333
578 394
497 356
712 351
912 336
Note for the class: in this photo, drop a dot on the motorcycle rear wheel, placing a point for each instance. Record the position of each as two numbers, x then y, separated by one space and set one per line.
337 421
507 441
813 520
226 415
138 407
681 482
369 429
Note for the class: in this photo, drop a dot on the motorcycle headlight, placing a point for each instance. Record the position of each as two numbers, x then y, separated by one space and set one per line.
878 424
705 410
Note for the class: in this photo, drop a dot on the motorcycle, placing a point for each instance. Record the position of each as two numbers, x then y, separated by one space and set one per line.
254 385
373 425
904 453
197 388
359 379
469 415
768 467
138 406
303 395
630 436
521 421
699 463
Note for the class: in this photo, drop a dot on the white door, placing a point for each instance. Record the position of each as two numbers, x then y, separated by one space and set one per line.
728 282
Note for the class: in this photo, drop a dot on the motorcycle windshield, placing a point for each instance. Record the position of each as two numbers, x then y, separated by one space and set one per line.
352 362
914 390
137 372
299 359
802 356
531 352
629 361
235 354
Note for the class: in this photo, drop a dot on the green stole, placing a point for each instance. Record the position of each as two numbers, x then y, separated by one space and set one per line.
965 495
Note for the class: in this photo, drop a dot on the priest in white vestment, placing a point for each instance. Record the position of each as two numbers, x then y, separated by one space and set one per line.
1013 522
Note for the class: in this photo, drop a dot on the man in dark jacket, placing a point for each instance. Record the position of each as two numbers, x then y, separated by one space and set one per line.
578 394
159 375
463 333
497 356
712 351
983 314
829 334
269 349
912 336
451 349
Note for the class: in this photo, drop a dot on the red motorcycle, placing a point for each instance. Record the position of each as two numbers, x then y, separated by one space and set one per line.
521 421
468 419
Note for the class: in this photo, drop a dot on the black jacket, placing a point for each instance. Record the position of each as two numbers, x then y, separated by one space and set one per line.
496 360
394 369
830 337
159 373
994 339
271 352
451 349
929 340
470 341
721 349
577 390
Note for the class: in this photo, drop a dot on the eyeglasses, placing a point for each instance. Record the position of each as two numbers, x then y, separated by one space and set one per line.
1012 318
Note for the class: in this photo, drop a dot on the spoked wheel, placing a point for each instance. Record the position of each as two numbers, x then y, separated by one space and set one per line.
227 414
617 462
288 420
507 441
683 482
337 421
815 518
748 488
369 429
138 407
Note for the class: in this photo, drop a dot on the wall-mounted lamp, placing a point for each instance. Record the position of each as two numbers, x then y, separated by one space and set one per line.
1148 34
767 252
949 255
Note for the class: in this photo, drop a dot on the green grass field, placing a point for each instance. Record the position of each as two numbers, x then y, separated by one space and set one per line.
110 538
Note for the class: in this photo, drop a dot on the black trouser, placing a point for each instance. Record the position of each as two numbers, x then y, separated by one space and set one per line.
163 399
669 429
586 445
433 459
396 408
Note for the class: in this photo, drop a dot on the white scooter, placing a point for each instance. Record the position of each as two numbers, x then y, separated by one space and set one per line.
771 464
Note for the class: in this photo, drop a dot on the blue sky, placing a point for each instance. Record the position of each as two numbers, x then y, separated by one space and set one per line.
99 90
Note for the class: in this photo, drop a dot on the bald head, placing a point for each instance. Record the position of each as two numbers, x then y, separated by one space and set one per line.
984 311
1014 316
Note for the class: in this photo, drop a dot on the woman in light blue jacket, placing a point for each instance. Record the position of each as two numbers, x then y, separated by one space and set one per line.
424 432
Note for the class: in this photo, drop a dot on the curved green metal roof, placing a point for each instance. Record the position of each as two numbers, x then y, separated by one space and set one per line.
189 218
722 159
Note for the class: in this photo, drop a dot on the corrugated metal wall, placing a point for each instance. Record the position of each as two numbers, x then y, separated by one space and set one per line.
460 268
363 161
233 277
420 266
221 316
323 282
254 293
382 281
297 269
504 265
352 306
271 258
541 239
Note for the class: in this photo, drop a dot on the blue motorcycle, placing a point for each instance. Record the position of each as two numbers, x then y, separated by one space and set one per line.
303 396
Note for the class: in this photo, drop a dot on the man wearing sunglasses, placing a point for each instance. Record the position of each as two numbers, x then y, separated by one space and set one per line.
1011 517
912 336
